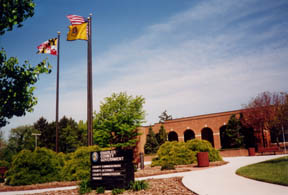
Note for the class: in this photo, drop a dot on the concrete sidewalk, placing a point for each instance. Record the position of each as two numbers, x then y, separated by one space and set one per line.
38 191
223 180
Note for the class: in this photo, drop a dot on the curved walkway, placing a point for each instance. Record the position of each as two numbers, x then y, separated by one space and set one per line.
223 180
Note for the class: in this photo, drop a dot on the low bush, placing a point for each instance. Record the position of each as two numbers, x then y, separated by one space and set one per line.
138 185
84 186
181 153
77 167
197 145
174 153
117 191
100 190
39 166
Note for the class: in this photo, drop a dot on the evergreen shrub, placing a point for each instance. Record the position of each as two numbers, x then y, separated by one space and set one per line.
181 153
197 145
167 166
175 153
77 167
4 163
39 166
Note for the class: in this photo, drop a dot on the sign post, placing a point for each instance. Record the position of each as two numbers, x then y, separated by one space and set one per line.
112 169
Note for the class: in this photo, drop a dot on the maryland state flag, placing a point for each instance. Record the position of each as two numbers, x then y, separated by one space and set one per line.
49 47
77 32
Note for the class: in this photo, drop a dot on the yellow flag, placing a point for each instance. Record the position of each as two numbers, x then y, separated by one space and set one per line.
77 32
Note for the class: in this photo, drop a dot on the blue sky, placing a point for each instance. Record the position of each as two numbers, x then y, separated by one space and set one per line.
185 56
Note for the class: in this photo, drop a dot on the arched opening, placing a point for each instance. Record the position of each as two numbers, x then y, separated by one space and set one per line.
188 135
172 136
223 137
207 134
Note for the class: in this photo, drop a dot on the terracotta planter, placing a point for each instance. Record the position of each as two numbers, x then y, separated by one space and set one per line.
251 151
203 159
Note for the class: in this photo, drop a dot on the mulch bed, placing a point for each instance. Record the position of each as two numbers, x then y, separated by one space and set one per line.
147 171
151 171
170 186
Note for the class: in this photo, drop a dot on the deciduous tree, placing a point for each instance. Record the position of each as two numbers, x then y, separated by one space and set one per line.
118 119
21 138
17 86
259 114
14 12
16 81
280 122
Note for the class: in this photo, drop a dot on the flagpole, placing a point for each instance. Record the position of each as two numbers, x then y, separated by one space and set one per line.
89 85
57 91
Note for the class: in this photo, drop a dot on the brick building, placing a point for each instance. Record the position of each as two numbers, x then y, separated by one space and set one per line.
205 127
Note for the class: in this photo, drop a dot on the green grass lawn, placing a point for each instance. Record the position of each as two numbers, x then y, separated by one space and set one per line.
271 171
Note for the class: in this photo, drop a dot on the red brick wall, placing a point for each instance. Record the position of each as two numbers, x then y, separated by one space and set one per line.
196 123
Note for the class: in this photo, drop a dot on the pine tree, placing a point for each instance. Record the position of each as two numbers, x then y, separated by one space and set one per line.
234 132
161 135
151 145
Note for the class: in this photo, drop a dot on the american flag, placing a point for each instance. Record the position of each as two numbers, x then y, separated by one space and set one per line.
75 20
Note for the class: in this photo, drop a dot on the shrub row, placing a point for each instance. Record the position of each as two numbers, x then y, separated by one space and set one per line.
182 153
39 166
44 165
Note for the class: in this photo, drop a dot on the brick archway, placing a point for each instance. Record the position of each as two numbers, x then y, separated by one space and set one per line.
207 134
188 135
172 136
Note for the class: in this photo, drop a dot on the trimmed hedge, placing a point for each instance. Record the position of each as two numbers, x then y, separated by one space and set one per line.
39 166
181 153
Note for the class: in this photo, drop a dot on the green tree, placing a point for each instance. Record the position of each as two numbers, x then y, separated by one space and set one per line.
82 133
117 121
16 83
152 144
232 134
14 12
21 138
161 135
70 135
47 131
